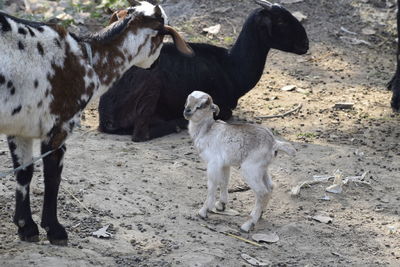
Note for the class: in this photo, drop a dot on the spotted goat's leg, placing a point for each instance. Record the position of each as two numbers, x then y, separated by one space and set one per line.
52 168
21 153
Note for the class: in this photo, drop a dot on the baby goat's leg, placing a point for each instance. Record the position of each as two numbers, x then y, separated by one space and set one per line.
52 167
270 187
21 152
214 175
254 176
224 181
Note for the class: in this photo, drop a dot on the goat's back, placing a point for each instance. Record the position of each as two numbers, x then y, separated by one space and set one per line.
236 142
163 88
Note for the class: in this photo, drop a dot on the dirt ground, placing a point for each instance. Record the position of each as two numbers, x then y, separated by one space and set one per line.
149 193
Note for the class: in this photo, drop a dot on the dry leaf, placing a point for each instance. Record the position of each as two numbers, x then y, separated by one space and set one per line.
291 1
228 212
335 189
213 29
253 261
102 232
368 31
325 198
268 238
288 88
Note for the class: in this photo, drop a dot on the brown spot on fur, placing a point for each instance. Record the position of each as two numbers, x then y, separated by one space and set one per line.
60 30
110 71
156 41
9 84
40 104
46 94
2 79
90 73
68 86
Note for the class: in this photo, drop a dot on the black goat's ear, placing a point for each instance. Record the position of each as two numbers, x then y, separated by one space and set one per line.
215 109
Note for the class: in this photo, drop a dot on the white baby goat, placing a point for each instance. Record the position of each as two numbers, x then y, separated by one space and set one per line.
221 145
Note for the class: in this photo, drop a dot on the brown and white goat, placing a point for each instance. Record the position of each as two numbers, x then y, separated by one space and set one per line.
222 145
48 76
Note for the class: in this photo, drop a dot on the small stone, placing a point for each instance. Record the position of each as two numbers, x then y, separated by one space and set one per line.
288 88
299 16
343 105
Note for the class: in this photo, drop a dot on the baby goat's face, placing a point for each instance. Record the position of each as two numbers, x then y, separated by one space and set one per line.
199 105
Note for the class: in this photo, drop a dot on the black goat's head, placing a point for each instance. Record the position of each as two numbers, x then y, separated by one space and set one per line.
280 29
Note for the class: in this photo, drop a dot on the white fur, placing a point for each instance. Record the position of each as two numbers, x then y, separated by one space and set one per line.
23 67
133 43
221 145
148 10
23 152
23 190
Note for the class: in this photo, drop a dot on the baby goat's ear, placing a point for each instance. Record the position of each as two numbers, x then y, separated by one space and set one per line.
113 18
215 109
117 15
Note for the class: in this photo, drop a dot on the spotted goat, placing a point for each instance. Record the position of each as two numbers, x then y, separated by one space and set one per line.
48 76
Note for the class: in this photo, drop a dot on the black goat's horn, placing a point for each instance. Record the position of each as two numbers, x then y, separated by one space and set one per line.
264 4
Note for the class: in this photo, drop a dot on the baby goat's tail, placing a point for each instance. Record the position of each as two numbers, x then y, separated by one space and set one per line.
285 147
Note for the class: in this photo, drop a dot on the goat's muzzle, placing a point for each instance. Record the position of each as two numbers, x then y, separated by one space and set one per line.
180 44
187 113
302 49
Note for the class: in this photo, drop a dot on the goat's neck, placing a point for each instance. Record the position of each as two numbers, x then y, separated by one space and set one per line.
112 60
199 129
247 57
109 64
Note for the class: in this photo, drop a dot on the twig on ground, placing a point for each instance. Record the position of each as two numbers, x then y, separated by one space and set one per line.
232 235
77 200
296 109
239 188
233 26
316 59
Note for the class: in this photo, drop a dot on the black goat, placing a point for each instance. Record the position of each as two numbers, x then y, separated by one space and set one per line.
394 84
149 103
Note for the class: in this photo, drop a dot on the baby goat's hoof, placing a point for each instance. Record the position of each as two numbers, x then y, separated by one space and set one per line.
203 213
247 226
220 206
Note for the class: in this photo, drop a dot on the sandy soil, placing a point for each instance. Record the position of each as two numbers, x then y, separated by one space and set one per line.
149 193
